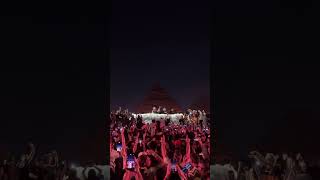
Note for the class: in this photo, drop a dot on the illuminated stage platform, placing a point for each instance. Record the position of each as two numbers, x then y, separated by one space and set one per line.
148 117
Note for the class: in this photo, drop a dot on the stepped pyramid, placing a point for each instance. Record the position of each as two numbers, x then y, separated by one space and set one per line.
158 96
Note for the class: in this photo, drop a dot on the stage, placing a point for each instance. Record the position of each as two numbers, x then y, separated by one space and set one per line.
148 117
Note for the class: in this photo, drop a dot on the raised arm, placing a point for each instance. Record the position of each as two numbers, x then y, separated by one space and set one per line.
124 148
144 140
164 150
123 142
64 170
127 175
31 154
99 170
160 160
275 160
56 158
137 169
187 148
181 174
239 167
155 155
136 143
84 174
168 172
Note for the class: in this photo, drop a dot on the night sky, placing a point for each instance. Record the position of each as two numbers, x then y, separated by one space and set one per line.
265 75
53 82
159 42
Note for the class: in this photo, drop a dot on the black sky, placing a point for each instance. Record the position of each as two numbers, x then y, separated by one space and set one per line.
53 81
159 42
265 75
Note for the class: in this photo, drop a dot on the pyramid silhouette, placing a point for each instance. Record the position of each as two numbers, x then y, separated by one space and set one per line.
157 96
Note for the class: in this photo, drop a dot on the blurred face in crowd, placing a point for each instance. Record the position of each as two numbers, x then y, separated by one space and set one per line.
303 167
145 161
182 131
132 144
177 156
49 157
203 138
299 157
119 163
148 162
30 146
23 158
201 167
284 156
195 145
54 153
116 138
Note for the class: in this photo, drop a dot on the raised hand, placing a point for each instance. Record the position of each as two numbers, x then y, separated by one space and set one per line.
163 141
149 151
122 130
187 139
137 166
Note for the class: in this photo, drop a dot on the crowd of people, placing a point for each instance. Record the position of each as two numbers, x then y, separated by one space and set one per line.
32 165
267 166
161 149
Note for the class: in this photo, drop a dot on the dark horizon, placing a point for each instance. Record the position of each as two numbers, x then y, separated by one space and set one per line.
160 43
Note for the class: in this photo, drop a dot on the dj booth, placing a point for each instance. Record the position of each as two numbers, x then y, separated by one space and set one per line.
148 117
